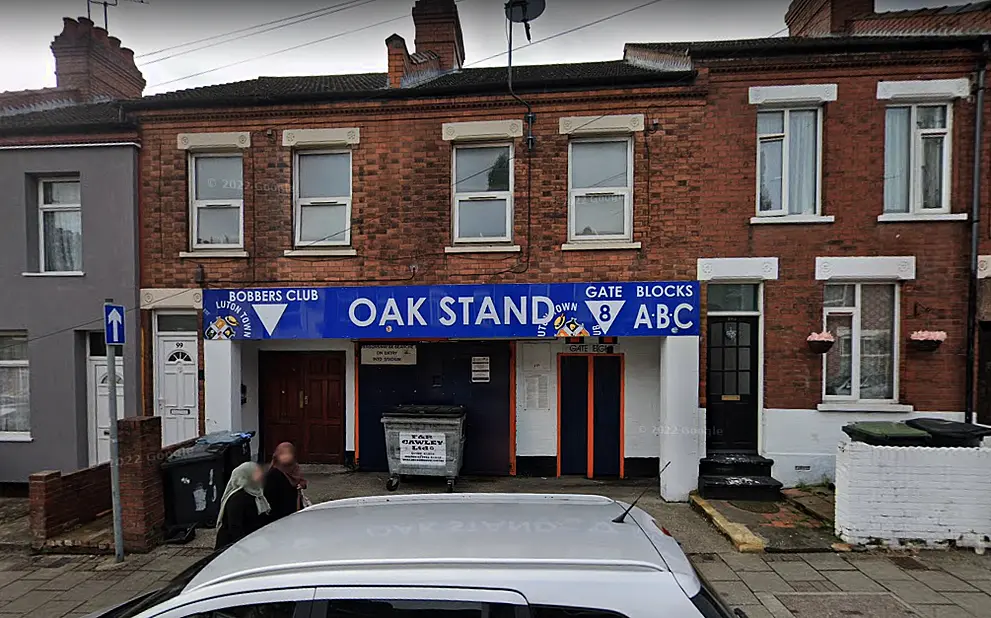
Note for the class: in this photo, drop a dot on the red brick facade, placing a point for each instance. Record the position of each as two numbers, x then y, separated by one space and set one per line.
852 192
694 195
818 18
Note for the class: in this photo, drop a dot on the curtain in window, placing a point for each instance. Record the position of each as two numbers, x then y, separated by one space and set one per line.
63 240
897 146
877 324
803 148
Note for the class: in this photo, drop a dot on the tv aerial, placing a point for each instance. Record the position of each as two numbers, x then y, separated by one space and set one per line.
106 7
524 11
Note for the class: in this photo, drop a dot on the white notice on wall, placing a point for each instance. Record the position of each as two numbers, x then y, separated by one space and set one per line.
388 355
480 369
423 449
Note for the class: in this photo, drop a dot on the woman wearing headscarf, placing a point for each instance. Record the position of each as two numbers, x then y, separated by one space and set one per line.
284 483
243 507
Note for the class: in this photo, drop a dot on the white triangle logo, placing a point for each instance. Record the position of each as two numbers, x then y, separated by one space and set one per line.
605 312
270 315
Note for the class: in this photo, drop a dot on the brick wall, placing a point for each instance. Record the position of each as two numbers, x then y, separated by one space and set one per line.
852 191
694 195
402 194
898 494
60 503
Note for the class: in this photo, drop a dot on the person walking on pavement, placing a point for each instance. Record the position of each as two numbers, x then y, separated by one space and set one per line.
284 482
243 507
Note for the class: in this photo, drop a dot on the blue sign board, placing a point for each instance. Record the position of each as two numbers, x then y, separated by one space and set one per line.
113 324
498 311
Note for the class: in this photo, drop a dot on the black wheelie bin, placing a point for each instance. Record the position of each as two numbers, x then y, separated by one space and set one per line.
950 433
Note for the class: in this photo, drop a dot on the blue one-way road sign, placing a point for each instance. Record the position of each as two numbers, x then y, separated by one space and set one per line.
113 324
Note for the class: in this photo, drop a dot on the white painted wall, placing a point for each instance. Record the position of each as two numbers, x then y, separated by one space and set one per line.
222 385
795 439
680 441
643 395
536 411
894 494
536 399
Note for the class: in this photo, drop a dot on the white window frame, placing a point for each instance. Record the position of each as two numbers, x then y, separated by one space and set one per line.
15 436
855 313
43 208
915 156
329 200
195 205
626 192
482 195
786 161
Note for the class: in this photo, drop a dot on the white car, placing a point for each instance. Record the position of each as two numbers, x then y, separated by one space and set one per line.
444 556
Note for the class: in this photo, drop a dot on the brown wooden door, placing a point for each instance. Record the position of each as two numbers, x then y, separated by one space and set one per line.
302 401
323 408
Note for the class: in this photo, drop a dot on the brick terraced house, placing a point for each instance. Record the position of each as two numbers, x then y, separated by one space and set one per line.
615 269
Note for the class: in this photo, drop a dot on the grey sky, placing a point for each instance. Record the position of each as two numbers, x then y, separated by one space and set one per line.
28 28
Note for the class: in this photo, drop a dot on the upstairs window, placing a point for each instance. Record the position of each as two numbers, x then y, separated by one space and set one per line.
323 198
217 191
788 153
600 189
483 193
862 364
917 159
61 225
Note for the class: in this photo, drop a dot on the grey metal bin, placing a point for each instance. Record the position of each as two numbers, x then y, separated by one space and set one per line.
424 440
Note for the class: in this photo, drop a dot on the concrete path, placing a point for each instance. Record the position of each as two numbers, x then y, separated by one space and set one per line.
933 584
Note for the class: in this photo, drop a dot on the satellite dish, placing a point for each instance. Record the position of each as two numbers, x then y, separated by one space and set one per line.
524 11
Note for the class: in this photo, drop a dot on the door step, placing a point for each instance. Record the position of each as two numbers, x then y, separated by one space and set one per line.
735 464
747 487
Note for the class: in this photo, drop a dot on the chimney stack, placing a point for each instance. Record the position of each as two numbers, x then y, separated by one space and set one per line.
821 18
438 30
89 61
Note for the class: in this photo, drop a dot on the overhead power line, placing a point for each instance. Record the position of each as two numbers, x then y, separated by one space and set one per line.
351 4
237 31
405 16
569 31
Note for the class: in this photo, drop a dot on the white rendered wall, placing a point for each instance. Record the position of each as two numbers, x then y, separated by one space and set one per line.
680 441
802 443
222 385
899 494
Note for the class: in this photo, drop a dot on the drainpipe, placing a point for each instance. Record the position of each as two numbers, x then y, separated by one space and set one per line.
975 219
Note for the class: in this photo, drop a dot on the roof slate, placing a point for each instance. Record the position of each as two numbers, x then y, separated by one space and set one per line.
65 119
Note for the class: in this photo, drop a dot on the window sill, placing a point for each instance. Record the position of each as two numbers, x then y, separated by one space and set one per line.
604 245
906 217
793 219
203 253
483 249
858 406
303 253
15 436
65 273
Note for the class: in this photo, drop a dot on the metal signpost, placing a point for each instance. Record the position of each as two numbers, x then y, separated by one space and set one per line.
113 330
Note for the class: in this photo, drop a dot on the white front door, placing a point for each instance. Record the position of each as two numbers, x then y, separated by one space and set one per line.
99 407
176 370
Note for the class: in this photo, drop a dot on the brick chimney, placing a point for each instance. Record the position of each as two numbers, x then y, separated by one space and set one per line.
94 64
438 30
819 18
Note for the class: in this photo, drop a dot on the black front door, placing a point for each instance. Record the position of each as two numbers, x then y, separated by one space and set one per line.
731 383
